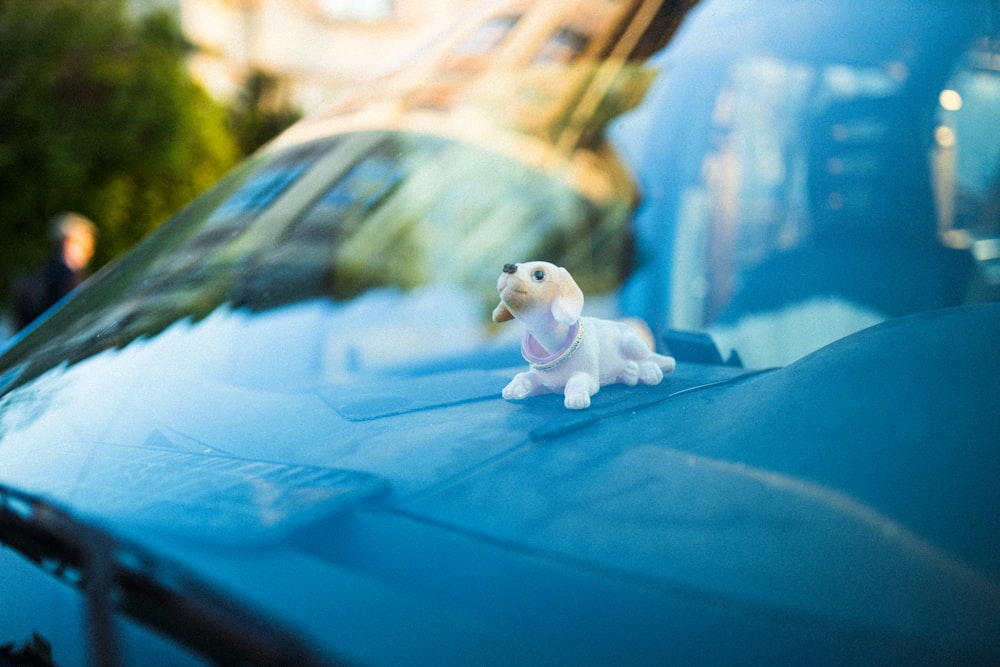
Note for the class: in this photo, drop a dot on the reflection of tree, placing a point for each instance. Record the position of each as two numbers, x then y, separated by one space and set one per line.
260 112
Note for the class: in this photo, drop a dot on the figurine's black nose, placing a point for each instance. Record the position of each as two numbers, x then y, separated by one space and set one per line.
510 268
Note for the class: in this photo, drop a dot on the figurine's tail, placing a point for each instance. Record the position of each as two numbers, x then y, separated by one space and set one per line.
644 331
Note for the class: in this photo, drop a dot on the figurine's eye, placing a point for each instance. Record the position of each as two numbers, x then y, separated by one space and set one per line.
538 275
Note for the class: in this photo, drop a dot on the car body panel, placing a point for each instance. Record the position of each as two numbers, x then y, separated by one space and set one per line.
670 498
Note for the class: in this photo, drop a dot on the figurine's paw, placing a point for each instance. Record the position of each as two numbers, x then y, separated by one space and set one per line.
578 391
518 388
630 373
650 373
577 401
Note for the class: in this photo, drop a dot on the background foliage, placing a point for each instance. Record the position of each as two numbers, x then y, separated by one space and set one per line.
99 115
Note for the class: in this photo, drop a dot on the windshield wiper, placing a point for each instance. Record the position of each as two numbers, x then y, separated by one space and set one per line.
119 577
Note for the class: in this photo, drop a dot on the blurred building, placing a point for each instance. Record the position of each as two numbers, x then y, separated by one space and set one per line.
314 49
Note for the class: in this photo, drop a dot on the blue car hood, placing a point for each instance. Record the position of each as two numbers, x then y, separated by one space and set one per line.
845 505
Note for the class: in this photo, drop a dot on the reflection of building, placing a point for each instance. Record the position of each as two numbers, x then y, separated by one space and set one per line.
537 80
546 38
540 35
315 48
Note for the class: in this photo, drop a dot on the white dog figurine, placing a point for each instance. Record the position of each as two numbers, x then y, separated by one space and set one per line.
568 353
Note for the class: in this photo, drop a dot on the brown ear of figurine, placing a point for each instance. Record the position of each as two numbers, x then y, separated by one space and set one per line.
501 313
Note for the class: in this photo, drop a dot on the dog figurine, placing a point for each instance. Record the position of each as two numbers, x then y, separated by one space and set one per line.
568 353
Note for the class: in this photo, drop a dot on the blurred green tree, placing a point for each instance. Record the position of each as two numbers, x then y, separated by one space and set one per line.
98 115
260 112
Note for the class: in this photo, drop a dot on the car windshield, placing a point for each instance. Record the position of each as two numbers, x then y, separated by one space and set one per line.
770 187
368 217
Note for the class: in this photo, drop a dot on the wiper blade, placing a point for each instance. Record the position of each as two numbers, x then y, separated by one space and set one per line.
117 576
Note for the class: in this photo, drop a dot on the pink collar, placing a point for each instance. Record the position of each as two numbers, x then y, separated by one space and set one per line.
547 362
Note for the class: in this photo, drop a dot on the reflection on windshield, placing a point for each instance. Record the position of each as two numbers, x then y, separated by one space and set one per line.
337 218
966 161
411 211
537 82
807 194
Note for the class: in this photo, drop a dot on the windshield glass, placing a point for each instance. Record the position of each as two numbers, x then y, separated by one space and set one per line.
489 148
336 219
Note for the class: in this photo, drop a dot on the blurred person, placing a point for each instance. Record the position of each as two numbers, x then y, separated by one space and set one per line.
74 239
